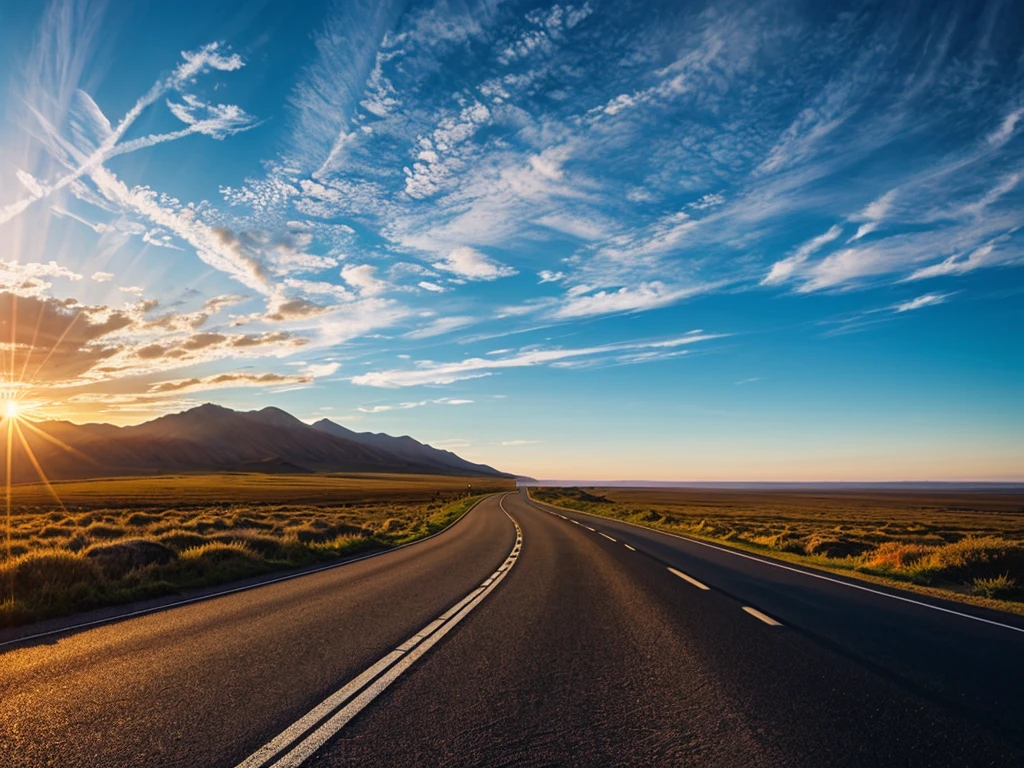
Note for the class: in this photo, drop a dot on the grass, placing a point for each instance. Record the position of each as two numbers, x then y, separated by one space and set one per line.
120 540
963 546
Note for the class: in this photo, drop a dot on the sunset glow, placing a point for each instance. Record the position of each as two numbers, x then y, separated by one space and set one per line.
574 252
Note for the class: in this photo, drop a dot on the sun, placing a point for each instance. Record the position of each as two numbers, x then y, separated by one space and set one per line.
11 409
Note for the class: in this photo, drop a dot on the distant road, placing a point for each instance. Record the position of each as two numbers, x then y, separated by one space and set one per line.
568 640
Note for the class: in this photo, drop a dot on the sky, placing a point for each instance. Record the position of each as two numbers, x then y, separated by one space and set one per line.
601 240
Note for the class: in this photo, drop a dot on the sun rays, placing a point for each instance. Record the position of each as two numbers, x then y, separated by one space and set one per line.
16 409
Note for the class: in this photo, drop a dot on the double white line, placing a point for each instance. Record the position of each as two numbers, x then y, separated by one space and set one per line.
305 736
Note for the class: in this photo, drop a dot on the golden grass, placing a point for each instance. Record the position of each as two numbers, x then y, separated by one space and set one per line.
238 487
963 546
129 538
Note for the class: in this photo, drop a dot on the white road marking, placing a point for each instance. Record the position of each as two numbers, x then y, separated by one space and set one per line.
690 579
629 547
226 592
298 743
576 521
590 529
758 615
607 537
812 575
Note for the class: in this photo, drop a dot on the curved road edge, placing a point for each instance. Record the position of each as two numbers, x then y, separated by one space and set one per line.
17 636
1003 620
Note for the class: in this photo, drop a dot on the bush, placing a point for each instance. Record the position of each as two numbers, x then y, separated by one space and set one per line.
48 575
180 540
995 587
972 558
265 546
119 558
104 531
219 552
895 556
140 519
834 546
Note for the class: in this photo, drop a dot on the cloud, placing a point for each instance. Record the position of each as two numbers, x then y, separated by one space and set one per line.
416 404
1006 128
957 265
873 214
547 276
226 381
783 270
626 299
440 326
363 278
470 264
427 373
318 370
927 300
102 277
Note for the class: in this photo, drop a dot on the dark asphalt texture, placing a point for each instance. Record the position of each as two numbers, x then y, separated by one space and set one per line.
587 654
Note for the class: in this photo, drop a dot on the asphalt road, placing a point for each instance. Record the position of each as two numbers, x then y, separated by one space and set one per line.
581 649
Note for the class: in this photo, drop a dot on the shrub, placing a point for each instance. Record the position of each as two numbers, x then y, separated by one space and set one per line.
834 546
219 552
48 575
180 540
117 559
995 587
140 519
972 558
892 555
104 531
265 546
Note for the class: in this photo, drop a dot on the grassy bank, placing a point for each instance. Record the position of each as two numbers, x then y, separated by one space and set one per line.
119 541
966 547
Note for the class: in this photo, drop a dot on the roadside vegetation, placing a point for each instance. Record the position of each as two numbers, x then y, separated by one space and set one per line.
964 546
122 540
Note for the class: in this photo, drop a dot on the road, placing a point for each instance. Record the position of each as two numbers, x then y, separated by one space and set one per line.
521 637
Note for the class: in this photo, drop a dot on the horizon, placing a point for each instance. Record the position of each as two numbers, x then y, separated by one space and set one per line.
576 240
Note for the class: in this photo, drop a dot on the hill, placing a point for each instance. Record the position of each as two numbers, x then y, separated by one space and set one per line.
211 438
409 449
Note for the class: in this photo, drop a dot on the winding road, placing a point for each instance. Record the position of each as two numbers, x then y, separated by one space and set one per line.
528 635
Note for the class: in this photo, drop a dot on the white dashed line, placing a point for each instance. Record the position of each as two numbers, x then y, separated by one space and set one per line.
758 615
607 537
810 574
690 579
592 530
629 547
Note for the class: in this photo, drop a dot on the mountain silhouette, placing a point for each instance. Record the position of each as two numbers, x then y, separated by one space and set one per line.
211 438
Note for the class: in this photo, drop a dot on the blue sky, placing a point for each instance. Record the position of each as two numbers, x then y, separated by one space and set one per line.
707 241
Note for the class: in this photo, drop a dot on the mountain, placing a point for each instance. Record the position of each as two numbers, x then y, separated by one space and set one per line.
407 448
212 438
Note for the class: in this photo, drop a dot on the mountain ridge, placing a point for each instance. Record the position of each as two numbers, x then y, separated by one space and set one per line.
213 438
405 446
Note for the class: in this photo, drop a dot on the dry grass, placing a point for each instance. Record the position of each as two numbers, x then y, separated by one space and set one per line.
126 539
968 546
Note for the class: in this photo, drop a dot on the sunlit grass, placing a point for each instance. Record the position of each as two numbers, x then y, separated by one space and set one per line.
173 533
968 547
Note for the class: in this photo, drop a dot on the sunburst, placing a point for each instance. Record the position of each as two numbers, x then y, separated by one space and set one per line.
16 410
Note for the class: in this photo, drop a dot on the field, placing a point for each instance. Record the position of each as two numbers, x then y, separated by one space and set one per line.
964 546
123 539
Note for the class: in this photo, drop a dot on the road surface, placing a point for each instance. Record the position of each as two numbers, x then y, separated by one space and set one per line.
526 636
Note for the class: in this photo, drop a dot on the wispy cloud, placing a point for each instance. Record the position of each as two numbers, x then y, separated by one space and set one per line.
927 300
384 408
427 373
